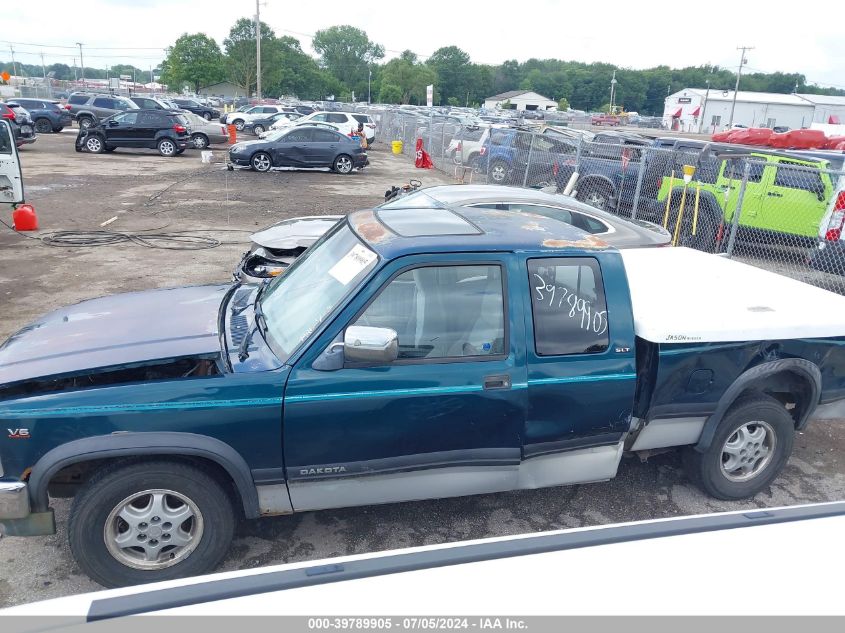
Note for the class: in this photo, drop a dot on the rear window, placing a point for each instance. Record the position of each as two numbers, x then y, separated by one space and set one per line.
568 306
78 99
735 167
362 118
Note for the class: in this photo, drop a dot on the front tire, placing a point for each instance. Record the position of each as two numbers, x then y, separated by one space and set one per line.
342 164
749 450
258 130
261 162
95 145
150 521
239 125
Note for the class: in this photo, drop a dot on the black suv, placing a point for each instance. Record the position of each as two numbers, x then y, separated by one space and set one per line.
168 132
197 108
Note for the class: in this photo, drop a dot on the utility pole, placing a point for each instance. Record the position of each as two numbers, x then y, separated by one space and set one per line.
742 62
81 63
612 91
14 65
258 50
369 81
75 73
46 82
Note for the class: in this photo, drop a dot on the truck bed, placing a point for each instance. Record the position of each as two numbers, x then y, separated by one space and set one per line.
680 295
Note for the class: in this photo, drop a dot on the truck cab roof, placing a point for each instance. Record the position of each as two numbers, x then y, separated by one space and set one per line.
394 233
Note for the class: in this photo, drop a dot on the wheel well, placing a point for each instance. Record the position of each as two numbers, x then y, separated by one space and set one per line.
70 479
792 390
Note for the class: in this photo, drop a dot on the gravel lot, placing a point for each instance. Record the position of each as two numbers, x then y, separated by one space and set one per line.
145 191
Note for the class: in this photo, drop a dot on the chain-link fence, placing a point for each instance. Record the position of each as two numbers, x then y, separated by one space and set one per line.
774 209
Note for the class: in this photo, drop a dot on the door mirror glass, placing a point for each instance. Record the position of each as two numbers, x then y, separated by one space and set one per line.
364 344
11 180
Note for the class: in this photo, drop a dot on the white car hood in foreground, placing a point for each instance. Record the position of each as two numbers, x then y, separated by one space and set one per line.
296 232
681 295
622 569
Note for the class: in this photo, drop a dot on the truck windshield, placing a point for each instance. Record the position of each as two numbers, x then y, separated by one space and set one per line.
297 302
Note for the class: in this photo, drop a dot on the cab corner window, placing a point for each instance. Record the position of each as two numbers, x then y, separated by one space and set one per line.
568 305
443 312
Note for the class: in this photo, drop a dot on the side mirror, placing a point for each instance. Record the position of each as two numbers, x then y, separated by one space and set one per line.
113 123
363 344
11 179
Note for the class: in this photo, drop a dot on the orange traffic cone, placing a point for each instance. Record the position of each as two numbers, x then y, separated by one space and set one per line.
24 218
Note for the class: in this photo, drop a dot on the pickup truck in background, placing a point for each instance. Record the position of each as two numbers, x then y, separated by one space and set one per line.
408 354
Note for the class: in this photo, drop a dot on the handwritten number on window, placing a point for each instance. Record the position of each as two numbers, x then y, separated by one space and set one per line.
579 308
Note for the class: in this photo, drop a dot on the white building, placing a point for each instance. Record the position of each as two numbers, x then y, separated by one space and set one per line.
694 109
520 100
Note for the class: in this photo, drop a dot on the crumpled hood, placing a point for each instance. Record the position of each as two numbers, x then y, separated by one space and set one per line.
119 329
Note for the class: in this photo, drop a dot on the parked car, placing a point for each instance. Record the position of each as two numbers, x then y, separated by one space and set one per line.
786 197
166 131
11 178
276 247
47 116
87 108
518 353
192 105
22 128
465 146
346 122
303 146
605 119
829 252
241 118
511 156
153 103
261 124
204 132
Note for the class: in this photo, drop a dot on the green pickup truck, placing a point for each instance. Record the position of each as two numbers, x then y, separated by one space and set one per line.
785 199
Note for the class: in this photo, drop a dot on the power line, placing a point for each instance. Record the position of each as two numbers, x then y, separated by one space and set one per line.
93 48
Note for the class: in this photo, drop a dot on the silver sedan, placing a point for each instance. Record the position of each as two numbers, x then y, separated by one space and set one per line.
205 133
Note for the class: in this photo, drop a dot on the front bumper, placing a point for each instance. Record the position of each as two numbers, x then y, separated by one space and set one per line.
16 519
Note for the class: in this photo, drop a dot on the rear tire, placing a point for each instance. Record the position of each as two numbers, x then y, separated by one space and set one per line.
342 164
258 129
749 450
43 126
167 148
499 173
85 122
98 533
239 125
206 116
200 141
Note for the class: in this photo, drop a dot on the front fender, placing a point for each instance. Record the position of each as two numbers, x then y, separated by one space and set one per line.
128 444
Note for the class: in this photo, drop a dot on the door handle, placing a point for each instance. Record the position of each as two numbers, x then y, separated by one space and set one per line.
497 382
772 194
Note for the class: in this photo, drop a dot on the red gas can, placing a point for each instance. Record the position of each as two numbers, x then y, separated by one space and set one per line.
24 218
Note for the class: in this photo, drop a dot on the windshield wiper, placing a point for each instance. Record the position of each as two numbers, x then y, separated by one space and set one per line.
259 324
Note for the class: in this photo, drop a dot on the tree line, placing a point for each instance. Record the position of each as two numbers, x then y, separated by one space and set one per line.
350 67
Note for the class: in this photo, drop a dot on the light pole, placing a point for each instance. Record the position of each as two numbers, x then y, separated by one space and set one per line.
81 63
369 82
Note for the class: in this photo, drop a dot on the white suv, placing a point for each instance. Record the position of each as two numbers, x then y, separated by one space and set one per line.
238 119
345 122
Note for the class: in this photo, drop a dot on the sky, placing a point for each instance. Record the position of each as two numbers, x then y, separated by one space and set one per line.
627 34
